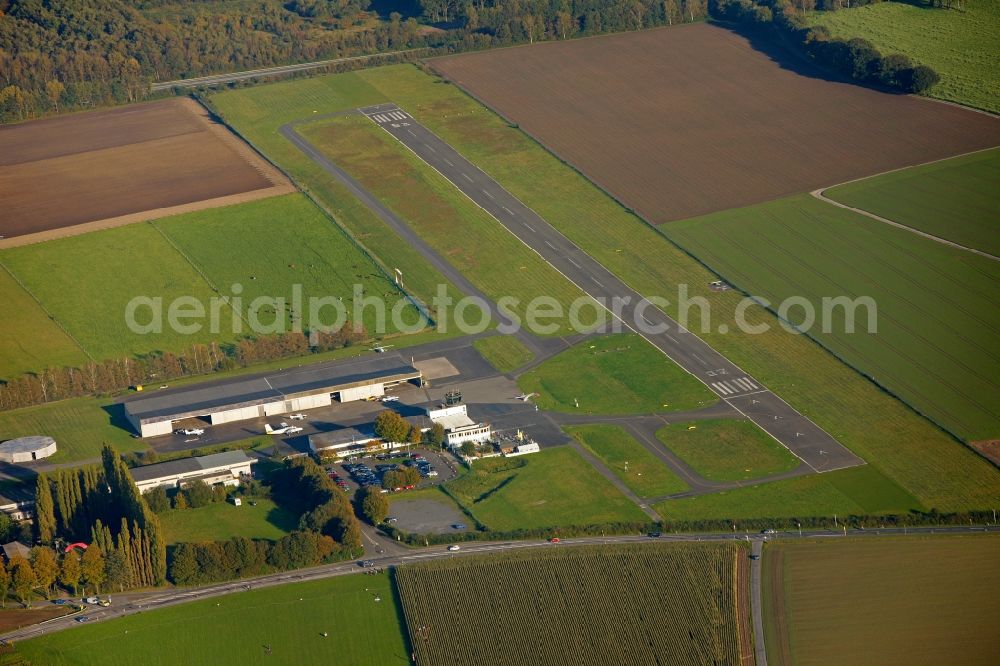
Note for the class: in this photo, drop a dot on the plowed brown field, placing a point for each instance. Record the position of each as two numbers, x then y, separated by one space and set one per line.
683 121
117 165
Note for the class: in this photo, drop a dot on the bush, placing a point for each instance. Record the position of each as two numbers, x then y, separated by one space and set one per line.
157 499
198 494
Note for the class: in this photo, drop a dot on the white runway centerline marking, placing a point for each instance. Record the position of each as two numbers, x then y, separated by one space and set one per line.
448 162
598 282
411 133
530 228
573 262
431 148
488 194
550 245
508 210
466 176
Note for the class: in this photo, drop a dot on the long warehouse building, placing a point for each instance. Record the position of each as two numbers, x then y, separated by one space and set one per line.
271 394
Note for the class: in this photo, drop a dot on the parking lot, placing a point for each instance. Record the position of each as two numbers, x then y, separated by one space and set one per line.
427 516
435 468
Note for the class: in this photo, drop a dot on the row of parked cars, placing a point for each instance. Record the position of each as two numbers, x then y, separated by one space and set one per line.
422 464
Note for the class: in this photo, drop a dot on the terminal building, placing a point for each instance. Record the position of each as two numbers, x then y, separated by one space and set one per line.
272 394
226 468
458 427
358 440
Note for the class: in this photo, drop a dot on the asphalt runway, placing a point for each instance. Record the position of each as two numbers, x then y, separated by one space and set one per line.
813 445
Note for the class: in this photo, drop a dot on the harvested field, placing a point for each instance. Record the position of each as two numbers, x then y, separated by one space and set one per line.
687 120
121 166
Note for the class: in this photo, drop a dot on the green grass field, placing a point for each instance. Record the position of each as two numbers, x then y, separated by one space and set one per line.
80 427
645 474
614 374
659 603
272 245
222 520
552 488
960 44
934 344
954 199
727 450
31 341
902 600
80 281
491 258
860 491
906 448
257 113
504 352
234 629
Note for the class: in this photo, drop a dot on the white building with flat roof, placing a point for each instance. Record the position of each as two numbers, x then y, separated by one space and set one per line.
226 468
26 449
458 427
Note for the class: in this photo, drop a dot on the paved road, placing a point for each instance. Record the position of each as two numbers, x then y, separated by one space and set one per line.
140 602
216 79
757 605
802 437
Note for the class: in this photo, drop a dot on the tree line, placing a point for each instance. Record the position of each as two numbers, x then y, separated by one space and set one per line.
328 530
855 58
117 374
59 56
44 568
101 506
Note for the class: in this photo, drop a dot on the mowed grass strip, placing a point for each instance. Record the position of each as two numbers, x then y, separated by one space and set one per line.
906 448
80 427
959 43
278 247
258 112
621 604
614 374
860 491
29 340
931 340
87 281
219 521
480 247
954 199
727 450
290 619
640 470
552 488
504 352
912 600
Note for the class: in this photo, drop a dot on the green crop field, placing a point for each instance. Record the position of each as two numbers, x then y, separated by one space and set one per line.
29 340
272 245
727 450
645 474
480 247
236 629
614 374
953 199
552 488
906 448
902 600
623 604
504 352
80 427
80 280
859 490
934 344
959 43
222 520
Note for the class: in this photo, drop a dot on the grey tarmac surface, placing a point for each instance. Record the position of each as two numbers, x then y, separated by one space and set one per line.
814 446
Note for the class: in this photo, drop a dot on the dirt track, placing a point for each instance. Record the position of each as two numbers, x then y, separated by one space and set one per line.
121 166
682 121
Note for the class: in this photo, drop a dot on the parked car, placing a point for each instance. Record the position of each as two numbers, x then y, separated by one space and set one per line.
366 563
654 535
91 600
458 526
454 547
768 531
554 540
83 618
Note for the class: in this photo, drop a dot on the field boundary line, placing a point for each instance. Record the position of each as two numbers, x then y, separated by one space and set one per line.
51 316
413 298
701 262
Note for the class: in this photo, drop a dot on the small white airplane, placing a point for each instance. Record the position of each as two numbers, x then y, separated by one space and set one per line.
389 398
297 417
381 349
525 397
282 429
191 431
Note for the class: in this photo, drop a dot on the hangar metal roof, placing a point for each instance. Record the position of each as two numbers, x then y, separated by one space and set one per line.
200 399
